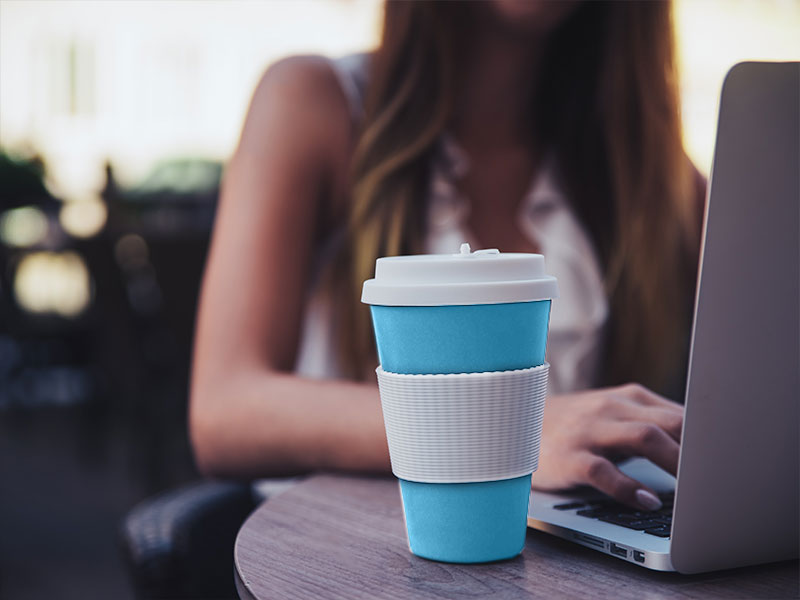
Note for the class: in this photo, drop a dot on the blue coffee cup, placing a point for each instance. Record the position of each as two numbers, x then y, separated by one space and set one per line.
464 313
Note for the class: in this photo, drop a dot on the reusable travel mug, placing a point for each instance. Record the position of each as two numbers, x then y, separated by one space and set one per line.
461 340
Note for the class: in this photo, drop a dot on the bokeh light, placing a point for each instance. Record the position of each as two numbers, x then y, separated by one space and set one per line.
53 283
83 218
23 227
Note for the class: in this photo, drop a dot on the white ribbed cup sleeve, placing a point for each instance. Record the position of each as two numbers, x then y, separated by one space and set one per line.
465 427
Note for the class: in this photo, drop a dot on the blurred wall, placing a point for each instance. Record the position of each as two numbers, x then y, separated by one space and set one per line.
138 81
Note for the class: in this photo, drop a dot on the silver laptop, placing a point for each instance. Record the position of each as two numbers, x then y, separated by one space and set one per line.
735 501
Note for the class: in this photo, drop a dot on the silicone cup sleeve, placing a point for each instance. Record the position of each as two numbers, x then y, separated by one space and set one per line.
466 427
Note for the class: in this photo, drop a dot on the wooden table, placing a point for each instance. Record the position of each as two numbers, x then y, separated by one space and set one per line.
344 537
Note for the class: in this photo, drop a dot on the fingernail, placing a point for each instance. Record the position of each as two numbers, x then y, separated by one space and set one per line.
648 500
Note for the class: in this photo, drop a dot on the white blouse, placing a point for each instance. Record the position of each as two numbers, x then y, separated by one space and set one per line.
578 316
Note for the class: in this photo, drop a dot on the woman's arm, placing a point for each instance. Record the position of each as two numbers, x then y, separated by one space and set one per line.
249 416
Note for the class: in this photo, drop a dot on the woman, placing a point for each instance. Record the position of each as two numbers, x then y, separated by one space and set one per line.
436 139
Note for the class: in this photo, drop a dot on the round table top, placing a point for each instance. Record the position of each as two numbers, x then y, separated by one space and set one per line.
343 537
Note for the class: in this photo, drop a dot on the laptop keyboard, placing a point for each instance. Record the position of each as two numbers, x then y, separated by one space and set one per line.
656 522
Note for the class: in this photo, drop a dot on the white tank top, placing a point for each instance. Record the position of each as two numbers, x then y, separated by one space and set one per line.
578 316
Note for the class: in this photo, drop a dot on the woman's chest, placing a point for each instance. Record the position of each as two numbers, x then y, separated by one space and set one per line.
495 189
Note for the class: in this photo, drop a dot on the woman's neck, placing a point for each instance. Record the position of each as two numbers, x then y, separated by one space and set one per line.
494 90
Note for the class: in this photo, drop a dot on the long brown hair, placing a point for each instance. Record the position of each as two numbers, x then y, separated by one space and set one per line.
607 107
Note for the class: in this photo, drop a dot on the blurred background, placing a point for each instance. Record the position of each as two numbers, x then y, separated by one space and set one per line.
115 122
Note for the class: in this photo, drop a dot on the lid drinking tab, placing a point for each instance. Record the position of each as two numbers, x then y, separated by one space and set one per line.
466 253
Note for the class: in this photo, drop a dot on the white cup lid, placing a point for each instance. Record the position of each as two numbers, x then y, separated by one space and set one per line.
480 277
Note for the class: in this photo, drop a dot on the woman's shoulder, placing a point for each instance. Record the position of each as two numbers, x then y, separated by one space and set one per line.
302 84
334 87
299 107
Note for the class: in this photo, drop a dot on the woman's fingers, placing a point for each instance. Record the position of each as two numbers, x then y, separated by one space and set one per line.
668 420
583 431
602 474
639 439
642 395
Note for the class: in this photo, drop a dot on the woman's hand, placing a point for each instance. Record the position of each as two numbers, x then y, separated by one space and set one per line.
585 432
